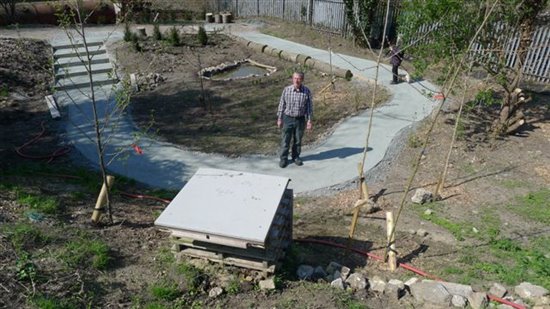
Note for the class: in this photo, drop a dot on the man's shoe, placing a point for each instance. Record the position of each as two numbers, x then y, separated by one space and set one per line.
283 163
298 161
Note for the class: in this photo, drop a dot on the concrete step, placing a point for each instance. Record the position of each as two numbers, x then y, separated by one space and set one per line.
70 53
77 44
65 72
101 79
71 62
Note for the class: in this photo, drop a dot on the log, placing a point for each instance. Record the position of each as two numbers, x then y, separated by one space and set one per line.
102 199
257 46
390 226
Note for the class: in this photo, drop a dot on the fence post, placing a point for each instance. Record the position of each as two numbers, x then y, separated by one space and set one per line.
344 20
258 7
283 9
310 12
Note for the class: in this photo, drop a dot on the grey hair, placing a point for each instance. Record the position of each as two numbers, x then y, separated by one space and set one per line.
301 74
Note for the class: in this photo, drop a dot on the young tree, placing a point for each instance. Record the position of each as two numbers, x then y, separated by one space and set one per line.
439 31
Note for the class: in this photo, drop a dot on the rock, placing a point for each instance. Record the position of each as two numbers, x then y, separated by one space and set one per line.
377 284
344 272
410 282
459 301
458 289
357 282
541 307
530 291
336 274
319 273
431 292
544 300
503 306
392 291
215 292
428 212
478 300
338 283
422 196
332 267
498 290
304 272
398 283
421 232
267 284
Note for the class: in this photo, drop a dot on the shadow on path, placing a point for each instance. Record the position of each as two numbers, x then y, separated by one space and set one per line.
335 153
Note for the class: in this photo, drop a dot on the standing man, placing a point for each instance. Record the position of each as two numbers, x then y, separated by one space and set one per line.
294 115
396 58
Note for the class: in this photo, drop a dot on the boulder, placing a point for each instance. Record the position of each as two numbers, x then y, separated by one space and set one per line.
357 282
377 284
215 292
431 292
319 273
478 300
338 283
459 301
422 196
267 284
530 291
304 272
344 272
458 289
332 267
498 290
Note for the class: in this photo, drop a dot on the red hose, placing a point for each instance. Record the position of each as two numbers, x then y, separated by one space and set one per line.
59 152
406 266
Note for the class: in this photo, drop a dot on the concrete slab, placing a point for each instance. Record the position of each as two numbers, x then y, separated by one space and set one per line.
226 203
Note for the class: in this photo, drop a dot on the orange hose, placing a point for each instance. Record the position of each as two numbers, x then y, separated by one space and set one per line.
58 153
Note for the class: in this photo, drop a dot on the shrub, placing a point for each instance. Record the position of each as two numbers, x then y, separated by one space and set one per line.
156 32
202 36
173 37
135 42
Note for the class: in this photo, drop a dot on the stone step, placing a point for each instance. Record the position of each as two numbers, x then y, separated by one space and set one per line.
74 71
72 53
71 62
101 79
77 44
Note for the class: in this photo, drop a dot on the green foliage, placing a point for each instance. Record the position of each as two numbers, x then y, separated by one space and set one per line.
4 92
25 235
534 206
84 251
128 35
234 286
486 97
46 302
135 42
45 204
202 37
173 37
25 268
165 291
157 35
193 276
414 141
361 23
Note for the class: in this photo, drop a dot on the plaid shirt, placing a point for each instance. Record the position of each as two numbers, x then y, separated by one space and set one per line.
296 102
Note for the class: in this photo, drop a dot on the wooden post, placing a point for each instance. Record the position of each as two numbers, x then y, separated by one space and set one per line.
363 200
102 199
392 259
310 12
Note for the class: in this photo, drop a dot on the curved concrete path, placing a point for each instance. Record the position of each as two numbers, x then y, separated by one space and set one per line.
330 163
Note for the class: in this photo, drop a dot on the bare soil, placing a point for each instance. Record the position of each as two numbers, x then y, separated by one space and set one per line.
238 116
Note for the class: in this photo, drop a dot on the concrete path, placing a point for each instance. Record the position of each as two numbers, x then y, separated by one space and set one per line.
330 163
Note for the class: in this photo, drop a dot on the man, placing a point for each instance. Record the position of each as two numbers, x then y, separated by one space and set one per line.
396 58
294 114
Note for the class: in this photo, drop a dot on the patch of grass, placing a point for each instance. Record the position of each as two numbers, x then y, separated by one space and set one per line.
165 291
514 183
26 269
165 258
48 302
413 141
453 270
44 204
234 286
83 252
4 92
193 276
534 206
24 235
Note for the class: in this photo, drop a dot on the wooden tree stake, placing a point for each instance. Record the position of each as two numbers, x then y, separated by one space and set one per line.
392 259
102 199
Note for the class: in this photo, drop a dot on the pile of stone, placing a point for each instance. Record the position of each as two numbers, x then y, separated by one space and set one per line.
150 81
427 292
208 72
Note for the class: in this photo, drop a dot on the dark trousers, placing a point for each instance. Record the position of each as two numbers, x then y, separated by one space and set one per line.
395 73
293 129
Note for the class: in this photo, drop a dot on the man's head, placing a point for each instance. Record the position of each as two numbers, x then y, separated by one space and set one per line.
297 79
